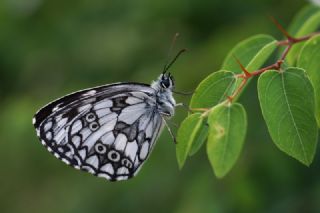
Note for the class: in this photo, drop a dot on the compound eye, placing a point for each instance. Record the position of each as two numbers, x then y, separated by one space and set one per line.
165 83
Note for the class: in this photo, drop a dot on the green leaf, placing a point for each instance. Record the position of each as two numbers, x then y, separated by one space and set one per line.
252 53
311 24
186 135
200 138
301 17
287 104
213 89
310 61
227 130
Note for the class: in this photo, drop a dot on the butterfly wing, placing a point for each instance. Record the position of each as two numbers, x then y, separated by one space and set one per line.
108 131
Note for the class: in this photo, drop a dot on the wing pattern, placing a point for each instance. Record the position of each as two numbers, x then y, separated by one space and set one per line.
108 131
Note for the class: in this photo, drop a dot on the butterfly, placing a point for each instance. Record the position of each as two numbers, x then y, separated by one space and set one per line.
110 130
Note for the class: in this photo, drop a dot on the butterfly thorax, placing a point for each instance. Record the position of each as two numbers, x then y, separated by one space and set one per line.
164 98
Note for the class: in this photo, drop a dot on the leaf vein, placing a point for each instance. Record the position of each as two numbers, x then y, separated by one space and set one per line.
292 118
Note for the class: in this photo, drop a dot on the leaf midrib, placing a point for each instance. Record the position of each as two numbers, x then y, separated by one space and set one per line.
212 85
226 139
292 118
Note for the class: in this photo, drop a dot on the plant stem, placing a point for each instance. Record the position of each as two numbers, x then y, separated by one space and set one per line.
289 43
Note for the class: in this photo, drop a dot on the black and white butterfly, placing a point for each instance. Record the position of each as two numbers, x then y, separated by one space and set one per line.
108 131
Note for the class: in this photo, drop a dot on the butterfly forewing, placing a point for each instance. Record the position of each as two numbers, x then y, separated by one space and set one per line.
108 131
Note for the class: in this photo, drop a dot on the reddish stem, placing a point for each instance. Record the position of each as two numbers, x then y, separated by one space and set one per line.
285 52
242 84
289 42
279 26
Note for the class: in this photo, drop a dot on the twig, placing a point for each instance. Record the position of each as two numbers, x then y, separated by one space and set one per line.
289 42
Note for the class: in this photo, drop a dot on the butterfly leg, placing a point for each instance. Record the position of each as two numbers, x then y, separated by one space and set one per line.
170 132
184 106
170 122
183 93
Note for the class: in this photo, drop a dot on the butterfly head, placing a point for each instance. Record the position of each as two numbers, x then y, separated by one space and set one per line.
166 81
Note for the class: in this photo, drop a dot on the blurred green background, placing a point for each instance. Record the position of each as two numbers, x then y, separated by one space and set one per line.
51 48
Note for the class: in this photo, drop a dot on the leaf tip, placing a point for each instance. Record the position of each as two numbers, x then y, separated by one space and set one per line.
306 162
181 164
220 175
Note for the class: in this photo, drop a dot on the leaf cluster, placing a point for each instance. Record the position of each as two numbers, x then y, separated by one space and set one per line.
289 97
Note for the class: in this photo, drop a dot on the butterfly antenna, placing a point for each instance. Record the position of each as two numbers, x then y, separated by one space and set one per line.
173 60
168 63
174 39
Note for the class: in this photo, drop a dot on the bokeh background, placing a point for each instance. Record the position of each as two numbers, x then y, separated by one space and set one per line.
51 48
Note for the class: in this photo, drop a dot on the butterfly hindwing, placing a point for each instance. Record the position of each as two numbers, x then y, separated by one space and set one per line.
108 131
